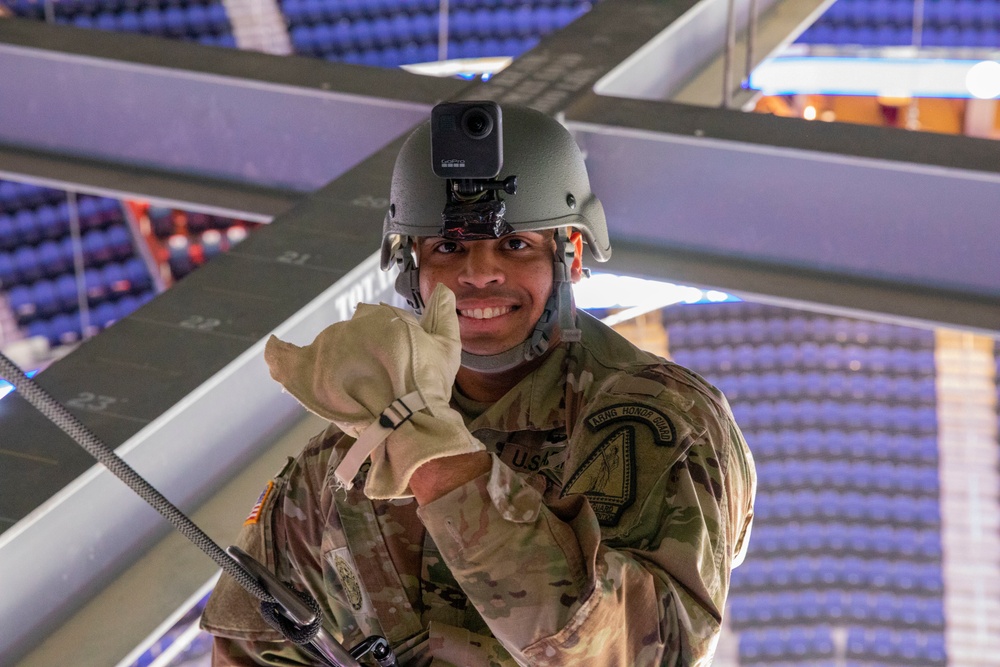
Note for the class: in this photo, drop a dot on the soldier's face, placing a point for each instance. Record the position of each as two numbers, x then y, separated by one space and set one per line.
500 285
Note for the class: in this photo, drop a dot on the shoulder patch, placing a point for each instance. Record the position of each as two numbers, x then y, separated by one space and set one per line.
664 433
607 477
254 515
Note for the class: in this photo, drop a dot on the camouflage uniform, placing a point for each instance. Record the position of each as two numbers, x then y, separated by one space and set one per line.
620 497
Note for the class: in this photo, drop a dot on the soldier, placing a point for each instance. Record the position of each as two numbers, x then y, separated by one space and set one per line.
505 481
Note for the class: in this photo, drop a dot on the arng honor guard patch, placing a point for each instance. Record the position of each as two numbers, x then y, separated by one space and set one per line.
607 477
664 433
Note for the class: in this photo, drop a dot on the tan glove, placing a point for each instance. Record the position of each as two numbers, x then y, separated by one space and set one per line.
385 379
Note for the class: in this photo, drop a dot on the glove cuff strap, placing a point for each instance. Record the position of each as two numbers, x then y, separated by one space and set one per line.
394 416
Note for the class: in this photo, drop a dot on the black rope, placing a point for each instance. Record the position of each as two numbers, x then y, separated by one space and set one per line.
74 428
297 634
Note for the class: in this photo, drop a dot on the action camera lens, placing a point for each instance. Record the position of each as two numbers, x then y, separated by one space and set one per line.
477 124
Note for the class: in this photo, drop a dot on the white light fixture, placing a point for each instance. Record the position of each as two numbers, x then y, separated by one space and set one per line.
901 77
983 79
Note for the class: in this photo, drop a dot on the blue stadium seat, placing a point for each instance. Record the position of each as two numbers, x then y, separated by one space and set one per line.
125 306
8 271
65 329
53 220
323 43
66 291
113 277
303 41
26 227
8 233
751 647
152 22
21 303
96 248
461 25
104 315
294 11
218 21
96 289
174 22
107 21
40 327
8 196
930 579
932 610
43 295
27 264
354 8
119 241
129 21
829 570
197 20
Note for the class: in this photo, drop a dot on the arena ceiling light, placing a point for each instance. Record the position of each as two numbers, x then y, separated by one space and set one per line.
885 76
636 296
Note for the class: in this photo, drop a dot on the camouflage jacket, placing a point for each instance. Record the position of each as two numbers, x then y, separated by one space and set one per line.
620 498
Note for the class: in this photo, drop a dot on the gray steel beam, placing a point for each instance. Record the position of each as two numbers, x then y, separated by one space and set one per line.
823 205
288 123
256 203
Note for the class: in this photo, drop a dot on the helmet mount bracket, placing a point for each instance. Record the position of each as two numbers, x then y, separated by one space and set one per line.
474 210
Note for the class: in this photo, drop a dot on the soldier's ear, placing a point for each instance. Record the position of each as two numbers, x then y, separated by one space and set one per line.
576 270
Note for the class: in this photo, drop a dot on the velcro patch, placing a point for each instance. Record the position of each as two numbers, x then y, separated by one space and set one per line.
607 477
254 516
664 433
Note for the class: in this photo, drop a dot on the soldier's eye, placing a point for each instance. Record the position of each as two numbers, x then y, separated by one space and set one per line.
446 247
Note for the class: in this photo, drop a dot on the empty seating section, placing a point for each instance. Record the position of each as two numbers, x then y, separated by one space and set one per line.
946 23
205 22
39 258
865 647
374 32
181 241
841 417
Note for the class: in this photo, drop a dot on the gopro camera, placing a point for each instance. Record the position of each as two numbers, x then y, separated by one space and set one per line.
467 140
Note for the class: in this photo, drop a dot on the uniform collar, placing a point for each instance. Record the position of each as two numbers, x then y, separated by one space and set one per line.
534 404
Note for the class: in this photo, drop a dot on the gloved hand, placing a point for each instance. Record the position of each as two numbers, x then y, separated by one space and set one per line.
385 379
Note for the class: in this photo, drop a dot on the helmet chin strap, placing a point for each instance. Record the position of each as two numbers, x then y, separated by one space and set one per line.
559 310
